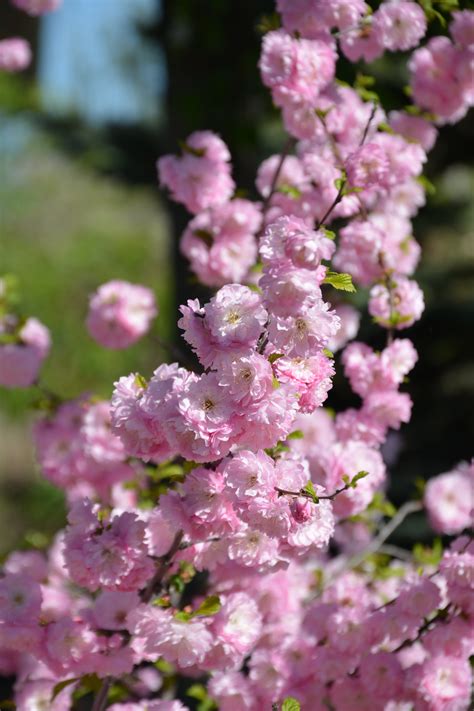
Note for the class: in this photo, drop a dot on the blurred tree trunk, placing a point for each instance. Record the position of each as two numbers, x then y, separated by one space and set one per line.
211 51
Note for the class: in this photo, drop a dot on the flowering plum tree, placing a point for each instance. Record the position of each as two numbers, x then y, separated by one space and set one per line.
226 537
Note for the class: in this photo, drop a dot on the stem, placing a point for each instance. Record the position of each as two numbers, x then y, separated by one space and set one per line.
266 202
100 701
335 202
307 495
407 509
163 567
367 126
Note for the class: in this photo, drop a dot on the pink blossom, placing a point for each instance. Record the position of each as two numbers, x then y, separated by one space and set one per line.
37 7
441 683
400 24
289 239
162 635
435 79
462 27
110 556
398 305
21 360
199 178
112 607
220 242
414 128
295 69
38 694
248 379
305 334
232 690
249 475
449 499
120 313
15 54
311 377
362 42
367 167
20 607
236 629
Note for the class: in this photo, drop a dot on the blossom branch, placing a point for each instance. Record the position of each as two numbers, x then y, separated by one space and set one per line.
163 567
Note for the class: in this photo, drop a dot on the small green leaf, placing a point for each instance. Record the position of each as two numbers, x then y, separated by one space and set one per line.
346 480
296 434
289 190
426 184
328 353
268 23
210 606
322 113
186 148
275 383
362 80
340 281
311 491
328 233
182 616
275 356
140 381
339 183
290 704
62 685
385 127
360 475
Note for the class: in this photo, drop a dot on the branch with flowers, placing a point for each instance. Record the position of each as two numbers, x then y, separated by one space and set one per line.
227 543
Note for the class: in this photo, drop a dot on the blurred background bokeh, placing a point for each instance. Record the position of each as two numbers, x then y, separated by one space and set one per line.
115 84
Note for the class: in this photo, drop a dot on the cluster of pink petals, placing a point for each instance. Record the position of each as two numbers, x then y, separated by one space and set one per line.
78 452
398 305
22 356
442 72
220 242
199 178
248 483
449 499
15 54
37 7
120 313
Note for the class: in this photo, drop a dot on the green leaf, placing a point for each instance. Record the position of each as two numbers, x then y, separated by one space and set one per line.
268 23
385 127
311 491
363 80
289 190
62 685
140 381
290 704
275 356
296 434
328 353
197 691
340 281
360 475
339 183
210 606
186 148
322 113
328 233
426 184
275 383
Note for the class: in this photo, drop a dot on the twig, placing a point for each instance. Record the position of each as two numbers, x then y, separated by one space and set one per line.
396 552
266 201
162 569
100 700
336 201
367 125
407 509
308 495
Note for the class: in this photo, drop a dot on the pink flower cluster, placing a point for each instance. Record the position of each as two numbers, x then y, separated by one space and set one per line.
23 348
200 177
78 452
120 313
226 535
37 7
15 54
